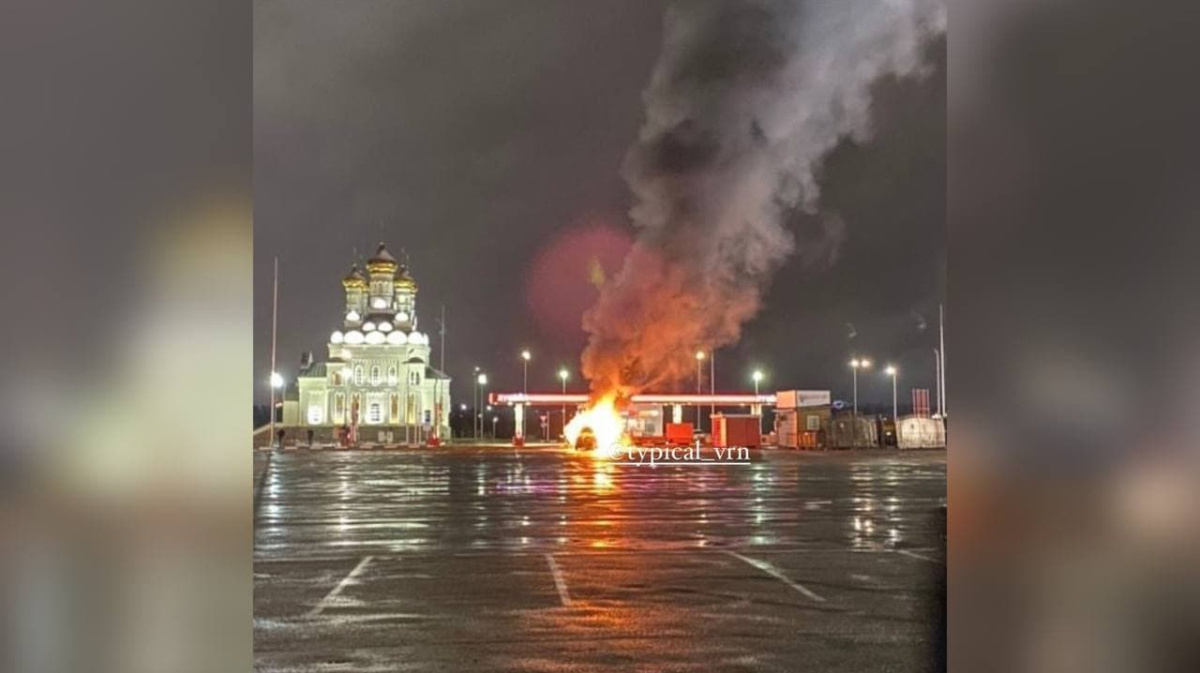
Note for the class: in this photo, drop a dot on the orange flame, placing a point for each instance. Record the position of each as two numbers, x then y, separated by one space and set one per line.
605 423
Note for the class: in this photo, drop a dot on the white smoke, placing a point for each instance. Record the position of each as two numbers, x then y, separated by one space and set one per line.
746 100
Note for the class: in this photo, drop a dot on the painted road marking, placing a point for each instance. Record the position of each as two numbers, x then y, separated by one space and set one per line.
774 572
917 556
559 582
263 559
341 585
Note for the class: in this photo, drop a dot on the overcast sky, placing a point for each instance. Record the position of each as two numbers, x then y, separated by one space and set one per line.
485 140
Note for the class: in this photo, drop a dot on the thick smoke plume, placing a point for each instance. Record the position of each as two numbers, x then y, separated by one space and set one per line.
746 99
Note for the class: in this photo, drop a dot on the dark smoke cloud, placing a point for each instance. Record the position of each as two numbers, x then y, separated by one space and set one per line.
745 101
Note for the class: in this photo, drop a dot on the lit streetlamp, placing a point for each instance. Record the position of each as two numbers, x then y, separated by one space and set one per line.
855 365
525 357
757 376
563 375
699 364
475 429
494 419
480 381
891 371
276 383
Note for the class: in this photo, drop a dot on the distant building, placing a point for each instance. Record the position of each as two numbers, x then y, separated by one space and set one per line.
378 374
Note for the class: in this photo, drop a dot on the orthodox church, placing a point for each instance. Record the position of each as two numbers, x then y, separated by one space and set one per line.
377 380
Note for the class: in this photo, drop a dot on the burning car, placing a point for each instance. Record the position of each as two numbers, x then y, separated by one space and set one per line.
585 440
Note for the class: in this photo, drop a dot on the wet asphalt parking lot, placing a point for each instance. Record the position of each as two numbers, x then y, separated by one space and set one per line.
490 558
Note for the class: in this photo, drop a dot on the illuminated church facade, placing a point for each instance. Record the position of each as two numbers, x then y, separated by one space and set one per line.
378 374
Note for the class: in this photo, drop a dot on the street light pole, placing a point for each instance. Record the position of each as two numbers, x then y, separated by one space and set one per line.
891 371
699 364
481 380
274 323
855 365
525 355
712 382
562 375
475 405
942 357
937 380
757 376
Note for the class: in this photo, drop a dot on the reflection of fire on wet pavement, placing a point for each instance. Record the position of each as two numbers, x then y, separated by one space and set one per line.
549 560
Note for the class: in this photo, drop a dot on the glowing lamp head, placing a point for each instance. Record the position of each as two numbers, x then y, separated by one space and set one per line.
526 355
699 355
563 374
890 371
482 379
757 376
276 380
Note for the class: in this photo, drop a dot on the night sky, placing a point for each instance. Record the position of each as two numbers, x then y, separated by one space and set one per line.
485 140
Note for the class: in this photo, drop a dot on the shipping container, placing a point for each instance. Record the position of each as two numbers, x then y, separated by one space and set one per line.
679 433
918 432
737 430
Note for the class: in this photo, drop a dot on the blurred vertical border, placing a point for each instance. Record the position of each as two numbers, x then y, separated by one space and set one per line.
1074 498
125 398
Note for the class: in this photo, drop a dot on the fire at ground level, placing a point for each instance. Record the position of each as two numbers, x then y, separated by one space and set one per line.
798 419
801 419
495 558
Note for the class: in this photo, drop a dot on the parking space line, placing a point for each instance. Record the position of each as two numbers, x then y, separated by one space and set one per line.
689 551
916 555
341 585
559 582
774 572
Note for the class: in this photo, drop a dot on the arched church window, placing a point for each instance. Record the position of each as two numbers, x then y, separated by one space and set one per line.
375 376
392 375
358 375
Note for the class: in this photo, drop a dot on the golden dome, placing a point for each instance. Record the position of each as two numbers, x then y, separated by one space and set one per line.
404 280
354 279
382 261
